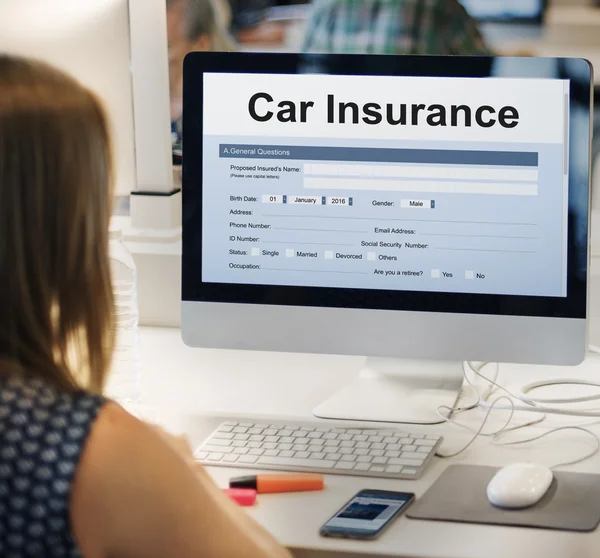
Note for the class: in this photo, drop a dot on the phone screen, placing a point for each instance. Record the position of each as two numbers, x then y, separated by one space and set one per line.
367 513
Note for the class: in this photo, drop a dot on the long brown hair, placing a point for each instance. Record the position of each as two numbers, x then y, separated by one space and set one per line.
55 204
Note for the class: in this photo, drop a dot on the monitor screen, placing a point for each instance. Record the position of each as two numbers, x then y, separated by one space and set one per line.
505 10
391 183
451 193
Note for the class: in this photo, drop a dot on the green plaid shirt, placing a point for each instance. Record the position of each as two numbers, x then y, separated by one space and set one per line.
392 27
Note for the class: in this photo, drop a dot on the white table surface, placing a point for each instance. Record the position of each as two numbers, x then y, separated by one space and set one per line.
187 386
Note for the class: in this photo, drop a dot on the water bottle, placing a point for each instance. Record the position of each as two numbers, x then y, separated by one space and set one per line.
124 382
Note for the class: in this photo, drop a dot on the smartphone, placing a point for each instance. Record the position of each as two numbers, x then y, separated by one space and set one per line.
367 514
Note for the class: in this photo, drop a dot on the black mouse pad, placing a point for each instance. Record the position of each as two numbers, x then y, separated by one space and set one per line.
571 504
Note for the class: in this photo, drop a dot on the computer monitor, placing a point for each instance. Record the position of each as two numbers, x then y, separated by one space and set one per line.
397 207
528 11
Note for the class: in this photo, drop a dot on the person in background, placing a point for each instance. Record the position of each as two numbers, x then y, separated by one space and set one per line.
249 23
392 27
78 475
192 25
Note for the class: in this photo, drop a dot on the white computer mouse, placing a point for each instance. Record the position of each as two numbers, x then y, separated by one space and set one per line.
519 485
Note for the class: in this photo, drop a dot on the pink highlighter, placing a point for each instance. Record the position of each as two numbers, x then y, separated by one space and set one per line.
242 496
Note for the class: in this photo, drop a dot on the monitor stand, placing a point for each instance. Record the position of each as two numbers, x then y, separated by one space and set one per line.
396 390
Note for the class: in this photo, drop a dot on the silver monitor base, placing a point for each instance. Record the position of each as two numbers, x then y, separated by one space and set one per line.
396 390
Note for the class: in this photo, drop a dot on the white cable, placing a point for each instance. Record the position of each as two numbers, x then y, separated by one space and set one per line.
532 406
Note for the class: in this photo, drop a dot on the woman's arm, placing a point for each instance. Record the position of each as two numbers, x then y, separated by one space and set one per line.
136 496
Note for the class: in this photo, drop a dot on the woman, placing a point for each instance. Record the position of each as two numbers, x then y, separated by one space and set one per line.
78 475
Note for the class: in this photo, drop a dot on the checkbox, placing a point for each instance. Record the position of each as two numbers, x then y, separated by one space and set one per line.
289 252
371 256
469 275
328 255
435 273
255 251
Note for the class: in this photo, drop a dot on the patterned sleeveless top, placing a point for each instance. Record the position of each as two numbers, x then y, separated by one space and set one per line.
42 434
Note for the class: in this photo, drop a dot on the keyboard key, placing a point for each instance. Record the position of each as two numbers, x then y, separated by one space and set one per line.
302 454
417 436
338 430
231 458
217 442
345 451
285 447
270 432
241 451
307 429
354 431
330 436
424 449
271 452
344 437
308 463
249 459
230 423
409 448
376 453
360 451
255 430
257 451
406 462
201 455
316 442
242 437
287 440
344 465
360 438
394 469
393 447
436 438
364 459
409 471
426 442
347 444
392 454
256 438
246 424
300 447
348 458
285 432
261 426
225 428
239 444
375 439
363 445
269 445
362 467
378 446
286 453
215 456
379 460
315 435
412 455
333 456
317 455
240 430
332 443
271 438
390 440
226 436
407 441
254 445
377 469
212 449
299 434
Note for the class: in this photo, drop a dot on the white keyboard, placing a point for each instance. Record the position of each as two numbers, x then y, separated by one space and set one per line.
370 452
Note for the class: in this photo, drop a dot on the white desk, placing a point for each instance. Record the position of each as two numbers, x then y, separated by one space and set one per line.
185 384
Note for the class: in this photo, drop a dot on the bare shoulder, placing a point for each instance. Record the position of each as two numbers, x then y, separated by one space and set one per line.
138 494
